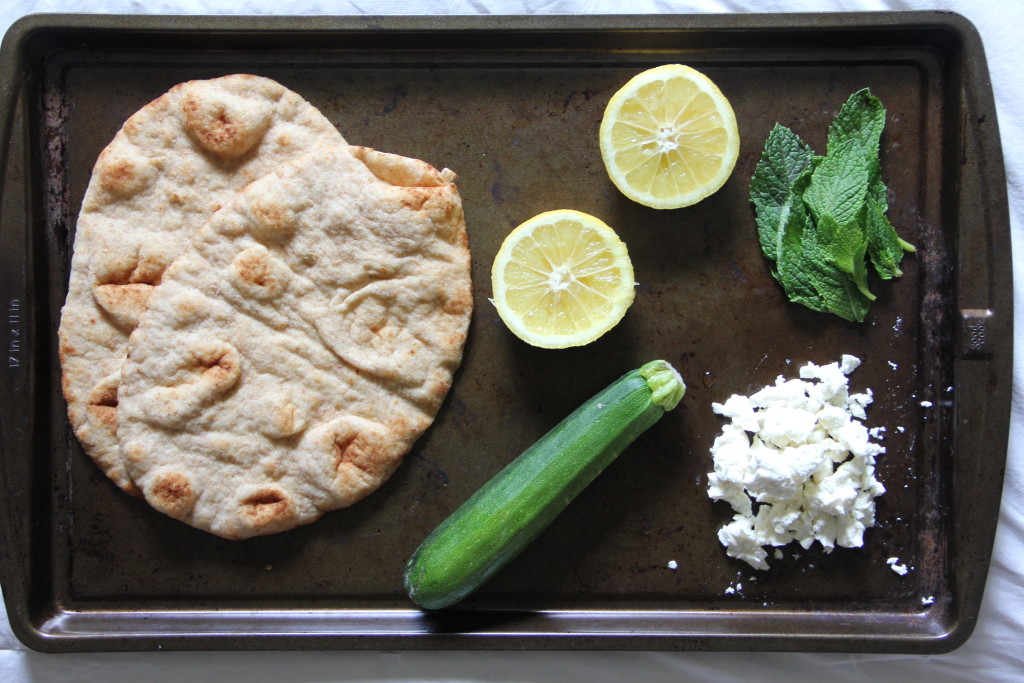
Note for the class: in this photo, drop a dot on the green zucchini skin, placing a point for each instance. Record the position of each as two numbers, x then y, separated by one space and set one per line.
517 504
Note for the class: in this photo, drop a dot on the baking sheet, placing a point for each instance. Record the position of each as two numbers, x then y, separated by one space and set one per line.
88 568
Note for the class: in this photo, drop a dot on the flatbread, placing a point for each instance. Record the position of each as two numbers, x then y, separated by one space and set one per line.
173 163
293 354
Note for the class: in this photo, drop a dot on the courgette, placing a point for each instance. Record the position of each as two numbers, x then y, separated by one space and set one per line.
517 504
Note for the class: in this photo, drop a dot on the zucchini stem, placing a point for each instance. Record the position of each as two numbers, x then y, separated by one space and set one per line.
666 384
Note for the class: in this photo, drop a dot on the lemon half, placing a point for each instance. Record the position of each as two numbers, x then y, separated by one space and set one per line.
669 138
562 278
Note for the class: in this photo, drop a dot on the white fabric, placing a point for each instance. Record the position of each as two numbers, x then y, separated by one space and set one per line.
994 652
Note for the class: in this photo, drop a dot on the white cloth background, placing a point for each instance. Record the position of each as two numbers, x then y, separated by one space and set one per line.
995 651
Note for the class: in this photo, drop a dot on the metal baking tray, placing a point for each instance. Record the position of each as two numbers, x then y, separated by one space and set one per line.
512 104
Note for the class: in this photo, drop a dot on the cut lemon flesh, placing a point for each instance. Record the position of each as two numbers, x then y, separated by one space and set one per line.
562 278
669 138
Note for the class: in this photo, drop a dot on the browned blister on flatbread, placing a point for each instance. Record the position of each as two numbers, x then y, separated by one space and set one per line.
173 163
296 350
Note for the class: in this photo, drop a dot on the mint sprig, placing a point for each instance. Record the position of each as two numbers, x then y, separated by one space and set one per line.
821 219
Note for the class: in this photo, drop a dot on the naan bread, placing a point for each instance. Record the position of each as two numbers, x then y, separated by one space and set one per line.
174 163
293 354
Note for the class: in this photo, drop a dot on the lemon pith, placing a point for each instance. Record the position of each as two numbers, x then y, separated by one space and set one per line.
669 137
562 278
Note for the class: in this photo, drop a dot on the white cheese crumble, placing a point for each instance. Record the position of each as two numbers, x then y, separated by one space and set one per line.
797 464
894 563
672 564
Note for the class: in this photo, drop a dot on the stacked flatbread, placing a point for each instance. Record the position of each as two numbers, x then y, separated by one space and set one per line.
296 308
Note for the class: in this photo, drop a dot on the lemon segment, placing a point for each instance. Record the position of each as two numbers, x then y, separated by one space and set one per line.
669 137
562 278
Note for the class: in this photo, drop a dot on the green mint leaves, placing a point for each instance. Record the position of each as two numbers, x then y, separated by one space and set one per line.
821 219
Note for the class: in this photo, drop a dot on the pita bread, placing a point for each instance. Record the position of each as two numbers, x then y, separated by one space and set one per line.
293 354
173 163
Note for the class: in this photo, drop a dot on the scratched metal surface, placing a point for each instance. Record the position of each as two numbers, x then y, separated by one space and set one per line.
519 125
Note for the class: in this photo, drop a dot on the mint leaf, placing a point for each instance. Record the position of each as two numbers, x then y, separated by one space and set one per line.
807 269
861 118
836 196
796 272
885 248
786 159
845 246
839 184
838 293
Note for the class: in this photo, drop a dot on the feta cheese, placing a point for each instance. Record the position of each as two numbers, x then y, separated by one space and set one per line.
783 426
742 542
797 464
894 563
672 564
740 410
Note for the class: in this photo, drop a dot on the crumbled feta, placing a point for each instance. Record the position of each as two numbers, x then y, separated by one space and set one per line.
894 563
926 404
672 564
796 463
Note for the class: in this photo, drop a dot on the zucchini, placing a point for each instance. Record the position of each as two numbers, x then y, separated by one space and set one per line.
517 504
